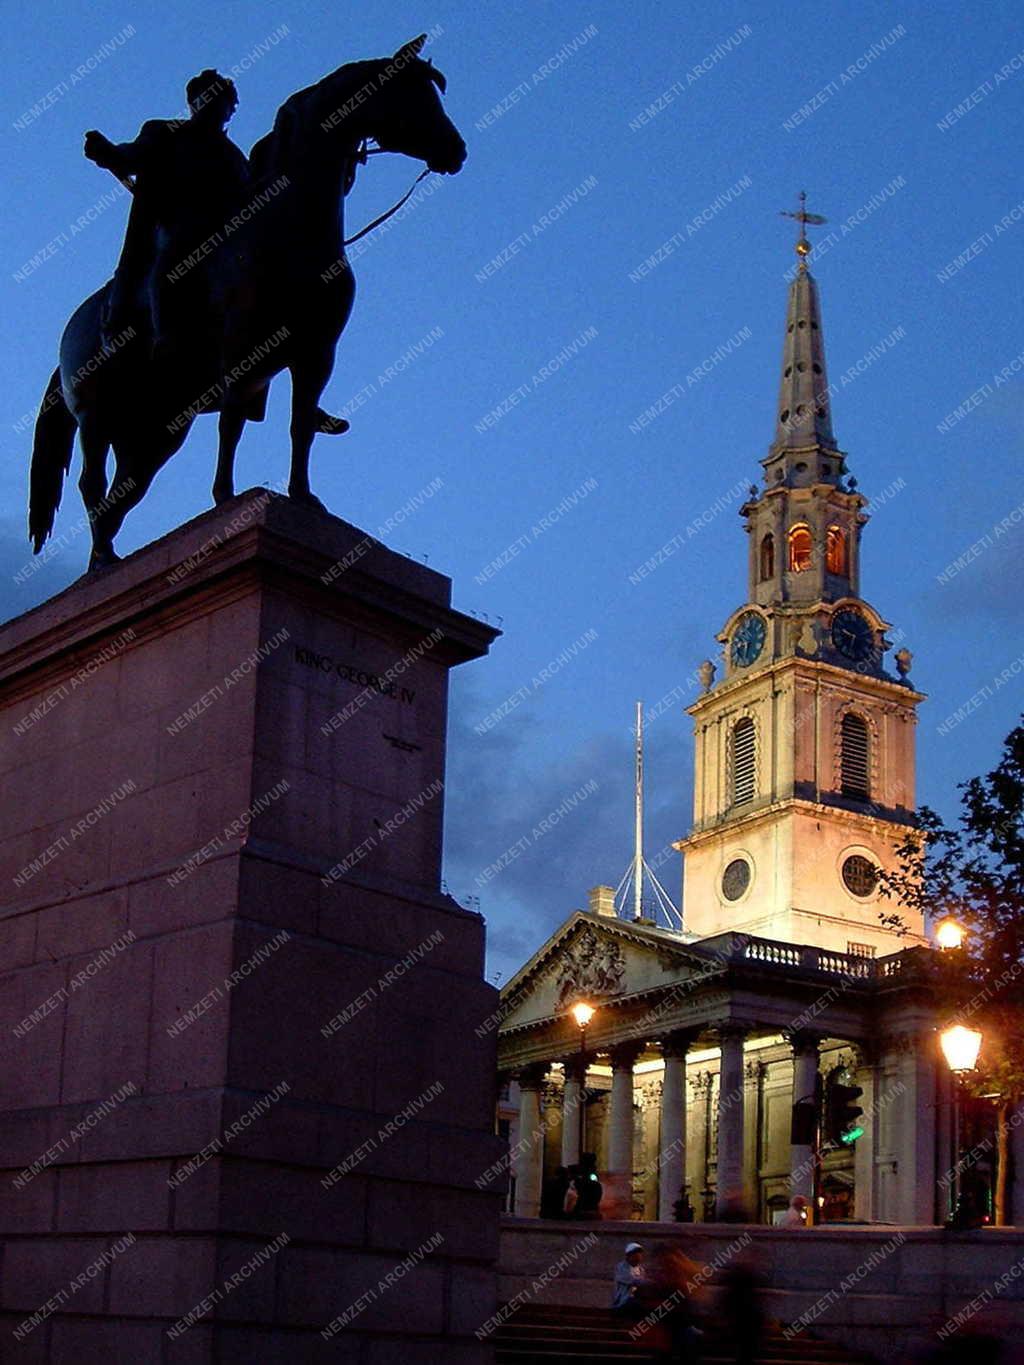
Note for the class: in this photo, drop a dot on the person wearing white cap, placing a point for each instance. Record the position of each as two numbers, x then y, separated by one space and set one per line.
629 1276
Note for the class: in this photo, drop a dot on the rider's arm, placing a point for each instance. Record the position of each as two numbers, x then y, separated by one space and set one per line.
123 158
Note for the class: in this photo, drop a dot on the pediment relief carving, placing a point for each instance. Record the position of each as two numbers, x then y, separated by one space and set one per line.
592 965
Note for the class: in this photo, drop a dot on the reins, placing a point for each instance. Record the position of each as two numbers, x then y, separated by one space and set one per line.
360 160
383 218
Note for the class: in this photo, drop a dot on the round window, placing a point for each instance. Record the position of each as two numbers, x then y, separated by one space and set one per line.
735 879
860 875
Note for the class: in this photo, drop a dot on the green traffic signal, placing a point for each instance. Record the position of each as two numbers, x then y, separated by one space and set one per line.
841 1114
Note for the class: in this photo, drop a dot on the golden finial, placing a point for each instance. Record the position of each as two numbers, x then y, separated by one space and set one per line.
803 246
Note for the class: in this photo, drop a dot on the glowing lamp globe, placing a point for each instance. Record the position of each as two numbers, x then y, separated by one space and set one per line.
582 1013
960 1047
949 934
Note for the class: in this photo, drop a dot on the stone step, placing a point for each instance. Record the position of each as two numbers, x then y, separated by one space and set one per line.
549 1332
519 1326
505 1355
585 1327
712 1353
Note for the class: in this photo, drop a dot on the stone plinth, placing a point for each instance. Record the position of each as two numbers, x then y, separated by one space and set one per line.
240 1077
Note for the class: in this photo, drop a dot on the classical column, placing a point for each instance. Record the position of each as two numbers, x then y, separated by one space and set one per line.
697 1146
528 1153
672 1133
618 1181
805 1079
753 1123
575 1070
907 1091
911 1119
865 1151
730 1124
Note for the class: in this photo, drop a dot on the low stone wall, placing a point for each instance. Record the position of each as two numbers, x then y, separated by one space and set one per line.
887 1291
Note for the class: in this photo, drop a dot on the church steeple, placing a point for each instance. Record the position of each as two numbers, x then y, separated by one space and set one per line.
804 441
806 522
804 416
804 753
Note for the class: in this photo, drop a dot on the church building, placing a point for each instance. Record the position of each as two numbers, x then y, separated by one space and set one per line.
710 1049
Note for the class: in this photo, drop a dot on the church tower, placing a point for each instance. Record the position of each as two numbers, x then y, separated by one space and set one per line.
804 759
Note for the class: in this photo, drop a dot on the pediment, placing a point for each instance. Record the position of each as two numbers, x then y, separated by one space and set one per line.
597 959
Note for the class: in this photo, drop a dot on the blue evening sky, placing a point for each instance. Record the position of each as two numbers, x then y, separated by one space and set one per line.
722 148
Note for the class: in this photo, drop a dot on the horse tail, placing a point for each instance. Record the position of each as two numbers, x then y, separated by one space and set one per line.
51 459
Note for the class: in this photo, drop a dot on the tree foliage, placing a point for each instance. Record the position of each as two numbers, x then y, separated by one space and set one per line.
974 872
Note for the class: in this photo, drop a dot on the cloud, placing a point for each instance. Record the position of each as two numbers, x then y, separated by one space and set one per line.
499 794
978 578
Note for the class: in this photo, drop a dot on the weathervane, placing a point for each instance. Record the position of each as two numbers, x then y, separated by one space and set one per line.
803 246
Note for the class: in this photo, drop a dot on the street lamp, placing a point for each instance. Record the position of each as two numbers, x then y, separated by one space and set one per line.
582 1013
960 1047
949 933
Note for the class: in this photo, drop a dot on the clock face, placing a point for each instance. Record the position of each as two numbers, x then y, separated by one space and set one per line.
748 638
852 635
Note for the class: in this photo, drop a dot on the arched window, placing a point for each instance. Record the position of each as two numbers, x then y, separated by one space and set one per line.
768 557
800 548
855 756
835 550
744 746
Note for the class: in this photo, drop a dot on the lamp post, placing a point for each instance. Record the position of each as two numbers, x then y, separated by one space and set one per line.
960 1047
582 1013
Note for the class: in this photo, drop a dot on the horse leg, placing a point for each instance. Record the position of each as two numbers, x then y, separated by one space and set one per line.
309 379
93 486
229 430
127 489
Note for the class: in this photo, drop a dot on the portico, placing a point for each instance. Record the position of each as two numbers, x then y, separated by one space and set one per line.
695 1056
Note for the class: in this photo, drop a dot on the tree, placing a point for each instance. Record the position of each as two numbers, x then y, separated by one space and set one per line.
974 872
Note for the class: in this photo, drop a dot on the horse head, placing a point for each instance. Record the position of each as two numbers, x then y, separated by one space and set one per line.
407 115
392 100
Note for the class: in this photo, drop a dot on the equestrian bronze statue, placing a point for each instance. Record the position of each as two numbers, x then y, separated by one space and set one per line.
232 271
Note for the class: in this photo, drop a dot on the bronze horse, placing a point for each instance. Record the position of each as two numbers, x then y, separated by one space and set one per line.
279 293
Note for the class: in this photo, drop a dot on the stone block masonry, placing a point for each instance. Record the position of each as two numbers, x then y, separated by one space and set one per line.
184 1061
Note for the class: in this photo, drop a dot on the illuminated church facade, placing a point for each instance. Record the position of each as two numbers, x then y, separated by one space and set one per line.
785 981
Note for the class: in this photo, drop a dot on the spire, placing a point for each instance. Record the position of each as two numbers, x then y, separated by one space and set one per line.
803 417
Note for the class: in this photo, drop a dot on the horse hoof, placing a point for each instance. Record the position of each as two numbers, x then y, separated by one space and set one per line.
102 559
222 494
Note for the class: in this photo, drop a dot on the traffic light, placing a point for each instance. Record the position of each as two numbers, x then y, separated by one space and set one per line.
841 1114
803 1129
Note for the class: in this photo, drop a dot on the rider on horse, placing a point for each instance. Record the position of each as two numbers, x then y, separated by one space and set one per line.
187 178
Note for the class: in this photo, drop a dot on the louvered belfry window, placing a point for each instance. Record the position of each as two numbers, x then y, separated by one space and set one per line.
855 757
743 761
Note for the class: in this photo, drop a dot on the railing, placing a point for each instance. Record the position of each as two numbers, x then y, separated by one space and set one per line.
846 963
822 960
767 950
892 966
